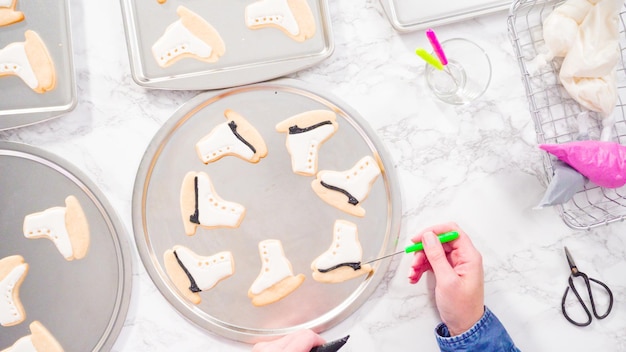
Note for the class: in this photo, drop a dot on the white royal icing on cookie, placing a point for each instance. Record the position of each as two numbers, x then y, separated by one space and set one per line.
272 12
206 271
357 181
8 310
304 148
24 344
275 266
214 211
13 60
345 248
50 223
221 140
6 3
178 40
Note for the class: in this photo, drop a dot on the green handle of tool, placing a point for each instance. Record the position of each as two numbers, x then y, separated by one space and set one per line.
443 238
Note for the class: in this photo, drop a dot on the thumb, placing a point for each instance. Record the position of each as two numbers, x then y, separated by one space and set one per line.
436 255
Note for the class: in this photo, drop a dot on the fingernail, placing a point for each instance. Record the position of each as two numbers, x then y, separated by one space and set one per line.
428 239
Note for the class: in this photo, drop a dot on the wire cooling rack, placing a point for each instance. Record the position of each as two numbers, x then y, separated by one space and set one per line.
556 116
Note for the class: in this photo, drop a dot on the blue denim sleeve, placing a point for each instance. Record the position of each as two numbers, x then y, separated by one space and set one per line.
487 335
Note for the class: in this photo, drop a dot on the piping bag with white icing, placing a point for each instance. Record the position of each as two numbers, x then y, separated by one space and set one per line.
586 34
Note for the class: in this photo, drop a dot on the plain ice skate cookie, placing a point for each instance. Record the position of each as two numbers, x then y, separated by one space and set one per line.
306 132
30 61
292 17
191 36
345 190
39 340
236 137
276 279
342 261
13 271
192 273
200 205
8 14
66 226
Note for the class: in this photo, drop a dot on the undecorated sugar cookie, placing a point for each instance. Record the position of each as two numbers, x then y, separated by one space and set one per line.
8 14
292 17
342 261
66 226
192 273
276 279
345 190
200 205
39 340
189 37
236 137
13 271
30 61
306 132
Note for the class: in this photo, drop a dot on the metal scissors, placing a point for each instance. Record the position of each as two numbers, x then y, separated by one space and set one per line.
578 274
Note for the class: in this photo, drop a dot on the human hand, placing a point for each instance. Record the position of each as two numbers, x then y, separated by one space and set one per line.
299 341
458 269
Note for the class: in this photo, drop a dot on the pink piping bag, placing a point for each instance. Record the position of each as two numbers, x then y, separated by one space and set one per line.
434 42
603 163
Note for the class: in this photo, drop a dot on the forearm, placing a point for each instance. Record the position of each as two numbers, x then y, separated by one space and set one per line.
487 335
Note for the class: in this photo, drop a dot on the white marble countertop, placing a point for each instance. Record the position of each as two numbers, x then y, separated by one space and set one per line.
478 165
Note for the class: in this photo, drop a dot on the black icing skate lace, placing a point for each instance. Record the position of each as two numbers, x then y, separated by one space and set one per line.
233 128
351 199
295 129
356 266
193 287
195 217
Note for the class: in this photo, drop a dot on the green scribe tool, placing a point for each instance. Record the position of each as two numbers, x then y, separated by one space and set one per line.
443 238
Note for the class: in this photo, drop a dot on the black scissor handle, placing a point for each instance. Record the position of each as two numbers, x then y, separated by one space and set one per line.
580 300
593 305
582 303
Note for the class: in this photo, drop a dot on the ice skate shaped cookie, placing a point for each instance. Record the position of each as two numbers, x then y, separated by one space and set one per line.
39 340
13 271
345 190
192 273
201 206
276 279
306 132
30 61
236 137
342 261
8 14
66 226
293 17
191 36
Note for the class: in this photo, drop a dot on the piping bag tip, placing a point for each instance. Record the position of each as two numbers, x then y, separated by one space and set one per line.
332 346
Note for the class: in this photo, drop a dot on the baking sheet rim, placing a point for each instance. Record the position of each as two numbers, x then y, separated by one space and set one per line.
120 240
399 26
189 80
150 260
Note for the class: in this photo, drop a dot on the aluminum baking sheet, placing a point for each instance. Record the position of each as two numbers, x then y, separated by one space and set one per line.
411 15
20 105
251 55
83 303
280 205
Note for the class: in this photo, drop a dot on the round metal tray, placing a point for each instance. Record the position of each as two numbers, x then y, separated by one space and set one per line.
84 302
279 205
